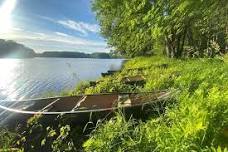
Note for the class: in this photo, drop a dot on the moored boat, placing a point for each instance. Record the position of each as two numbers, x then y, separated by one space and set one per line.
79 108
108 73
134 80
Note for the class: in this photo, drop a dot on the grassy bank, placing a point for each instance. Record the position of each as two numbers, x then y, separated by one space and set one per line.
197 121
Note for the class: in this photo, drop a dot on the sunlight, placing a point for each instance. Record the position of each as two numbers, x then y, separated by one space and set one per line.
8 75
5 15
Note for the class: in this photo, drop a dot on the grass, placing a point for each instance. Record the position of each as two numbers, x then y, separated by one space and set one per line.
197 121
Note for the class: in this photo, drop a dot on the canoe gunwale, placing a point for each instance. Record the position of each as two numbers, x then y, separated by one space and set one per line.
81 95
41 112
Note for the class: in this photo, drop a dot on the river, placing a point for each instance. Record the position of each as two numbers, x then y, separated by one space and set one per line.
36 77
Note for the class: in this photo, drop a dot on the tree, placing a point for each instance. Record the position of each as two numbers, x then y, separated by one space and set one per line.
122 25
183 27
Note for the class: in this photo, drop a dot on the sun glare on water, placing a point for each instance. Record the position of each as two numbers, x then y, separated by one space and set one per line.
6 10
8 78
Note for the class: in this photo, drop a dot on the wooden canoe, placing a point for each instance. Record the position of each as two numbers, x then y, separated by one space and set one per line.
79 107
134 80
108 73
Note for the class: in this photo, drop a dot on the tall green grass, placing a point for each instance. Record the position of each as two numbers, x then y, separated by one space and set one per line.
197 122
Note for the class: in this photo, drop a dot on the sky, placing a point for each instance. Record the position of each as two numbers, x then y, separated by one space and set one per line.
51 25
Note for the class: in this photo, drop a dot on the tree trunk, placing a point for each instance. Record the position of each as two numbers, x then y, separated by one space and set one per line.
170 47
167 47
178 50
183 41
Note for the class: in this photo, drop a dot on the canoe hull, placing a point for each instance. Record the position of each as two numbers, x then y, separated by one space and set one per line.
81 119
82 109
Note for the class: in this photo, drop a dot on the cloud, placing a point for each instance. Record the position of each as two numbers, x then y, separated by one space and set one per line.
55 41
61 34
81 27
46 18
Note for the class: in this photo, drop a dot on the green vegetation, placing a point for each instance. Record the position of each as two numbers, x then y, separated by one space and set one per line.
197 122
183 28
6 138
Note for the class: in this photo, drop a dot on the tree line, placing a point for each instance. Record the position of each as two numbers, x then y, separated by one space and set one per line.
176 28
12 49
66 54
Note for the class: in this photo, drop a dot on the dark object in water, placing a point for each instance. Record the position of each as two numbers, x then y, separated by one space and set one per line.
78 108
134 80
108 73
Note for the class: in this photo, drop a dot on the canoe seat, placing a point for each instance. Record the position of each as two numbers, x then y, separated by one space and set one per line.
49 106
96 102
79 103
66 103
124 100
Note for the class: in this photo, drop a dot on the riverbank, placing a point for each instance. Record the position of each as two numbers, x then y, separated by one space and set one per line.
196 120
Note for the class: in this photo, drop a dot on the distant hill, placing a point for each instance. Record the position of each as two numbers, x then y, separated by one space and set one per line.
101 55
12 49
64 54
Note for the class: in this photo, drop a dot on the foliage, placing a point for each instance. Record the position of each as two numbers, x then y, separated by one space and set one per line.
181 28
80 88
116 132
7 138
54 134
198 122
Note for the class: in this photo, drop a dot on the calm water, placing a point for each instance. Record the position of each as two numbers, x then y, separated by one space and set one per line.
31 78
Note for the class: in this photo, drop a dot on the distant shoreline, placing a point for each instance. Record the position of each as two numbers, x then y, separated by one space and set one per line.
65 55
56 57
12 49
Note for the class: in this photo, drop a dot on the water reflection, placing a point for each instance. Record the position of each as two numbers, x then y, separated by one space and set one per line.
30 78
8 76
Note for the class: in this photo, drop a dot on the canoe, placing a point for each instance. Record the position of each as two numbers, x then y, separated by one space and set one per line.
138 80
108 73
78 108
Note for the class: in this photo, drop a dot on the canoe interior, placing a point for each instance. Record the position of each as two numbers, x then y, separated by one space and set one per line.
132 103
134 80
86 102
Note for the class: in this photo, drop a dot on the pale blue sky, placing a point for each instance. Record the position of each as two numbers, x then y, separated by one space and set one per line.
51 25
